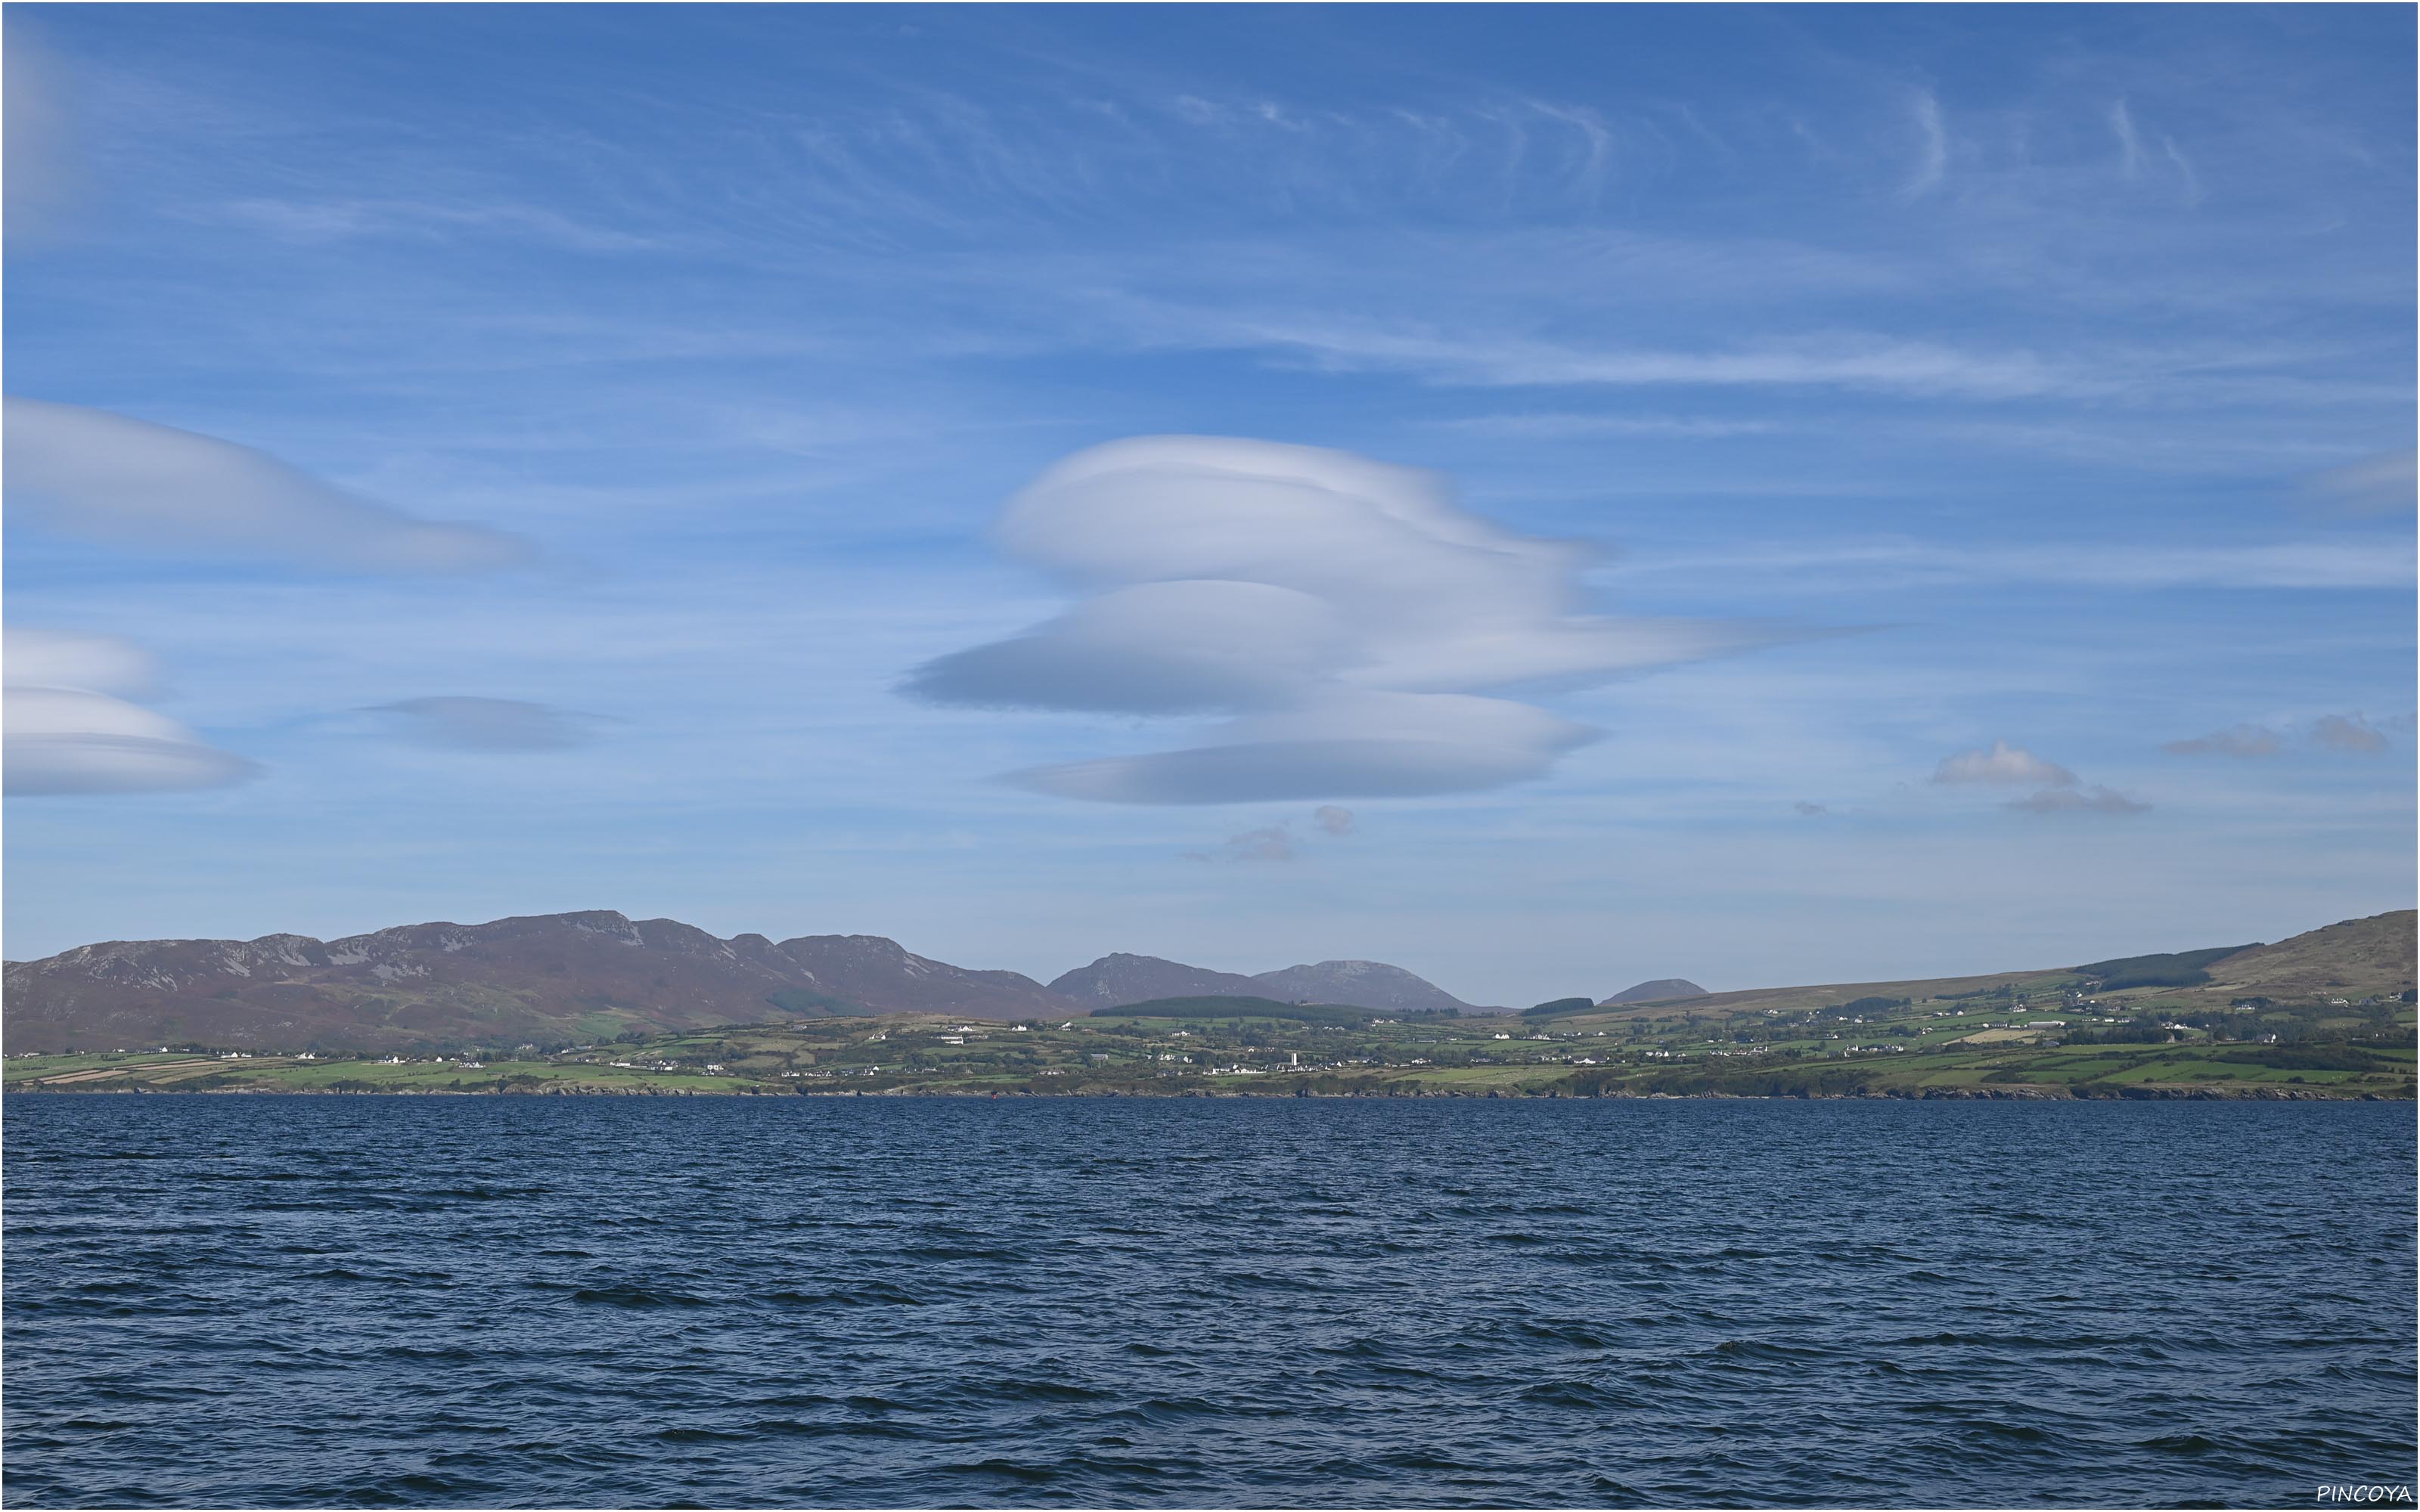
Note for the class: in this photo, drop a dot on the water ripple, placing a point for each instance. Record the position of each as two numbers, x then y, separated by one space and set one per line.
371 1302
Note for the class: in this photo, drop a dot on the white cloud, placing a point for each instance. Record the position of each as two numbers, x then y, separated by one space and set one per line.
67 731
1344 611
1364 746
484 724
1154 648
94 663
2078 800
2122 120
132 483
1333 819
2003 764
2245 740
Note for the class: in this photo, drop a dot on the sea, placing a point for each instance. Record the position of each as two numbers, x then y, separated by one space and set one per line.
877 1301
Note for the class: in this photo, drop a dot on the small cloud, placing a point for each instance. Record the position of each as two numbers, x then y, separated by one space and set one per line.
2347 731
484 724
2003 764
1271 842
1932 146
2245 740
1333 819
1810 810
2073 800
2382 485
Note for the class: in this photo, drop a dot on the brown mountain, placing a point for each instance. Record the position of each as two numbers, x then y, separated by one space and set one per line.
551 978
1357 983
1114 980
1117 980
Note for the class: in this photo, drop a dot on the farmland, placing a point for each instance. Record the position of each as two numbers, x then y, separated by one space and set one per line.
2042 1037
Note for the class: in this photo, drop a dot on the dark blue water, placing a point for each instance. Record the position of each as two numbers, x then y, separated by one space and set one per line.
261 1300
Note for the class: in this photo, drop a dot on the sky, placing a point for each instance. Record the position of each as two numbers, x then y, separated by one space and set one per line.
1548 498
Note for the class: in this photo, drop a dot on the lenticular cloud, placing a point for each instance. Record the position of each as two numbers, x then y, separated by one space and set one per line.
128 481
71 728
1348 618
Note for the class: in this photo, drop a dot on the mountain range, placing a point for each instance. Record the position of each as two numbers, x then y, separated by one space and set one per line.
1117 980
555 978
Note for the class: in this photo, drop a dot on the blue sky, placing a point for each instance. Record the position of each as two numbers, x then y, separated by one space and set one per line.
1985 401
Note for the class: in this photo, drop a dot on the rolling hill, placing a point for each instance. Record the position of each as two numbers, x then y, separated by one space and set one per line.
548 980
1662 989
561 978
2357 958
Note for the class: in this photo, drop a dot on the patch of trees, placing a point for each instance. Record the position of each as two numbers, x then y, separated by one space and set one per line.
2182 968
1560 1007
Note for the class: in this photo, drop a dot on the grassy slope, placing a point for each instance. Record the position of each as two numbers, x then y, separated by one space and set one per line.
2358 957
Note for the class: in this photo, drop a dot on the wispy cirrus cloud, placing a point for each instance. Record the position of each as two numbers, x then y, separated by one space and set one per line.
1931 146
1853 360
2091 800
342 220
1559 424
1859 566
2249 741
40 171
461 722
2387 483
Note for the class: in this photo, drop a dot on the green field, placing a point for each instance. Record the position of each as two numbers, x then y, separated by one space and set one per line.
2034 1037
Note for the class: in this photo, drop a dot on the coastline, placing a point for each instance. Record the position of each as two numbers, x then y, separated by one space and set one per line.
1996 1094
